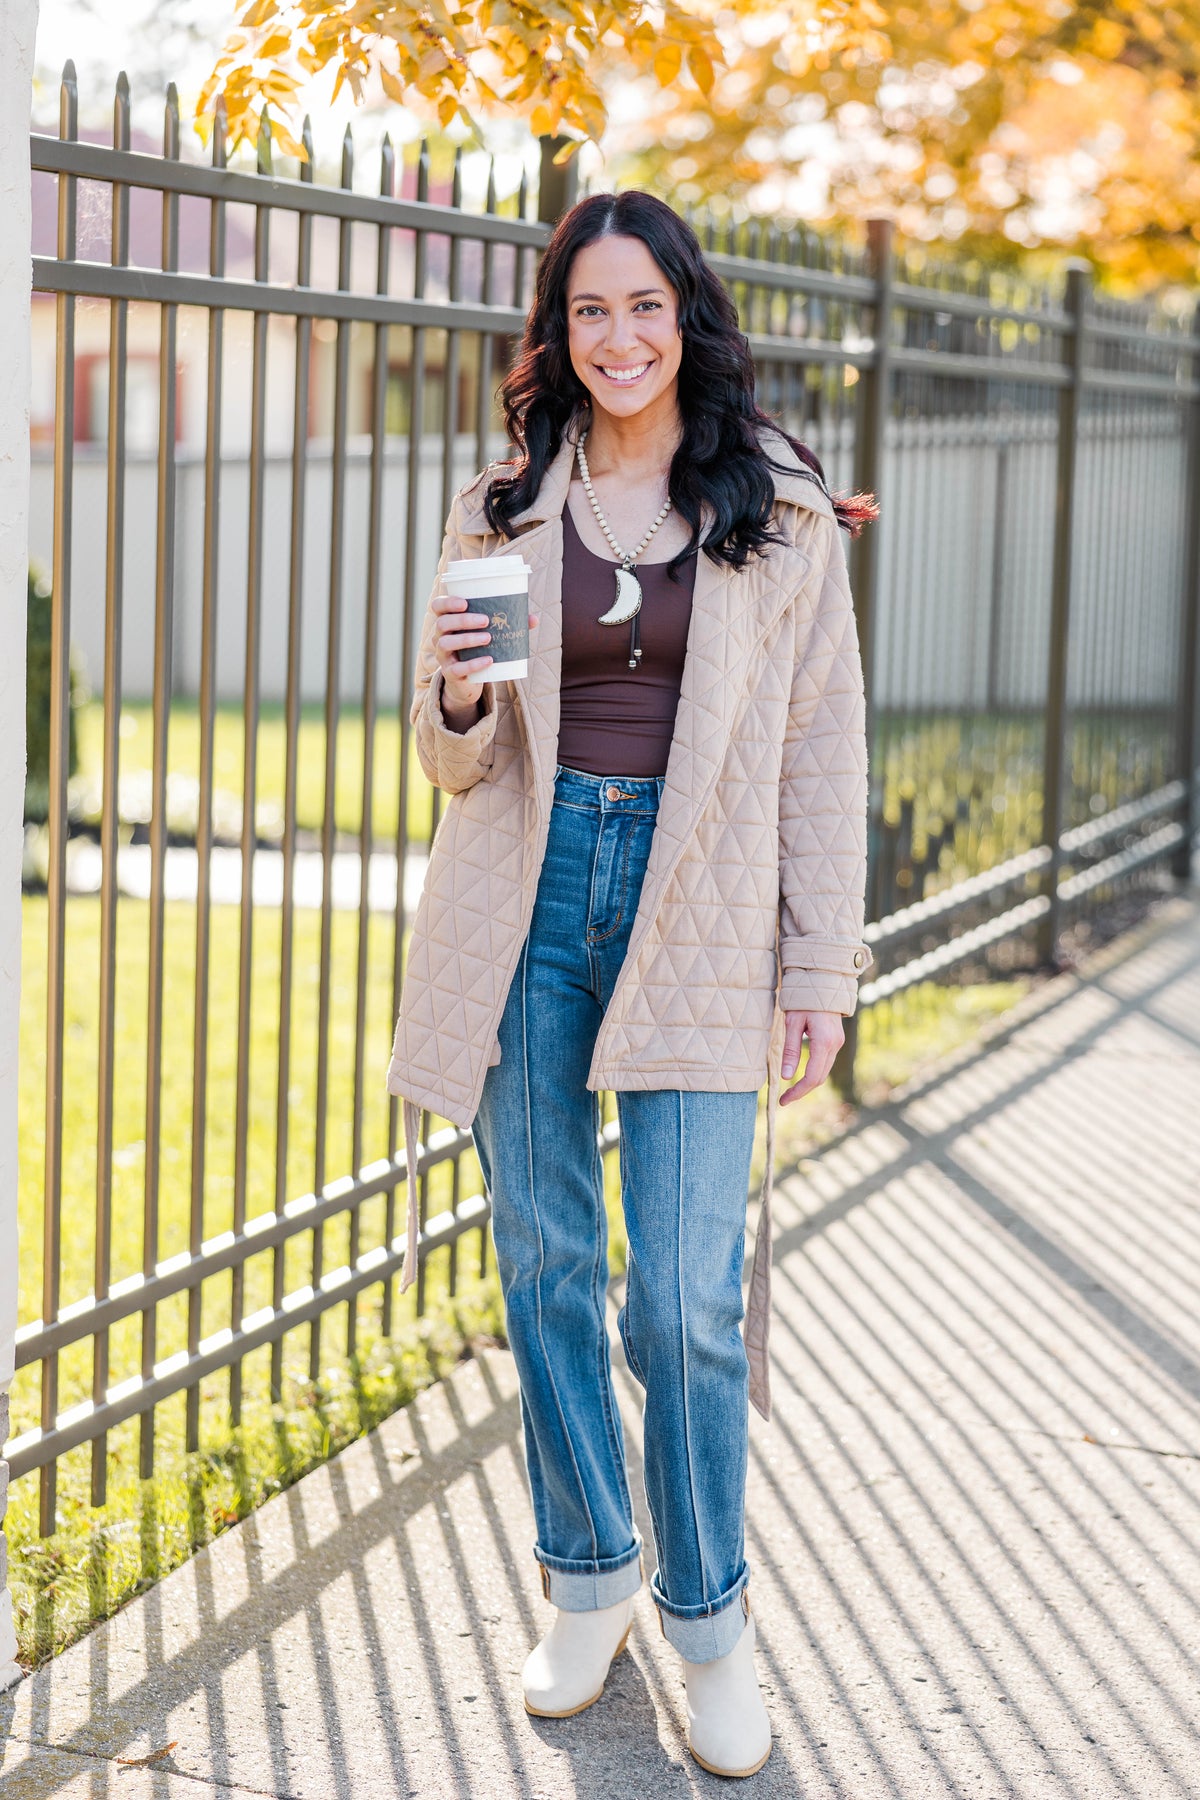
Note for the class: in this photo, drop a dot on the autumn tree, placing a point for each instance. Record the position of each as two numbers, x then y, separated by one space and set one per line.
1004 125
543 62
986 121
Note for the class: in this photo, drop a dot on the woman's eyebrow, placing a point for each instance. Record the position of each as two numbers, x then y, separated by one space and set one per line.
636 294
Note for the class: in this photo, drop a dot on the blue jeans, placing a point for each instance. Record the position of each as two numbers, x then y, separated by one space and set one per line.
685 1175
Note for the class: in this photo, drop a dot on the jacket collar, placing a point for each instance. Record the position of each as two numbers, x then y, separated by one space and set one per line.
793 485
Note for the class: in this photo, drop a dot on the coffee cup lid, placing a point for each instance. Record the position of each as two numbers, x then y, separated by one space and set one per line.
467 566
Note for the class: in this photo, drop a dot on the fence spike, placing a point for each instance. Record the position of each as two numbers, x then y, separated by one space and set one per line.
490 202
263 146
423 170
387 167
68 102
456 179
306 138
220 132
348 159
121 113
171 123
523 194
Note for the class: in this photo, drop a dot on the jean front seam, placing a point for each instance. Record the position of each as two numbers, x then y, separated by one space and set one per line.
687 1410
549 1367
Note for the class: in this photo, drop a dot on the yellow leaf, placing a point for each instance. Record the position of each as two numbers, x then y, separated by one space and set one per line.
539 120
700 64
280 88
393 87
276 45
259 12
667 61
447 108
283 140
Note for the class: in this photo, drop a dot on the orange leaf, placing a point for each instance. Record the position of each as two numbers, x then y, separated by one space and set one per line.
144 1762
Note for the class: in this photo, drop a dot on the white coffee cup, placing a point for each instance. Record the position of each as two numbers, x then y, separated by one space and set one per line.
499 587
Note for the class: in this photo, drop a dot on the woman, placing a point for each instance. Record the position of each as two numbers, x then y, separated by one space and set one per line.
649 880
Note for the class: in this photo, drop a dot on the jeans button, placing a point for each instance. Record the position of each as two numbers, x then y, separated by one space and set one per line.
614 793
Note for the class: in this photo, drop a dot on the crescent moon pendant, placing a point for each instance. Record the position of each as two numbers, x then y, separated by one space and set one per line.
627 602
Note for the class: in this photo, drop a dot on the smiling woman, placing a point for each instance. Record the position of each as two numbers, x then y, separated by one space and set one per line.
648 880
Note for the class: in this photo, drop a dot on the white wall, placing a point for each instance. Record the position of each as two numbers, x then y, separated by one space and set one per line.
87 586
18 19
967 527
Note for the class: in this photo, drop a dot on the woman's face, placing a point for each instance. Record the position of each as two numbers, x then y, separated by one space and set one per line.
623 326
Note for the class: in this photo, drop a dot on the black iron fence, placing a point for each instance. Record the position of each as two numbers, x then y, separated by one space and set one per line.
256 434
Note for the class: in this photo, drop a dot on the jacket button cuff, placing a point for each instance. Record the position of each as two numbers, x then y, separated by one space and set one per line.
860 959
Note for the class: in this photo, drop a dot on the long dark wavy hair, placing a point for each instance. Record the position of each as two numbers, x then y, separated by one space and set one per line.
719 460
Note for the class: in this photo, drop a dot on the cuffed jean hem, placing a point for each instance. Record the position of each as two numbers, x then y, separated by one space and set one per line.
702 1634
586 1587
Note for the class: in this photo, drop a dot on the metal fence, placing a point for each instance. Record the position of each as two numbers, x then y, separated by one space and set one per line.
219 1164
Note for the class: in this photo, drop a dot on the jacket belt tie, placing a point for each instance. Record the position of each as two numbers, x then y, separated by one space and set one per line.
756 1330
412 1132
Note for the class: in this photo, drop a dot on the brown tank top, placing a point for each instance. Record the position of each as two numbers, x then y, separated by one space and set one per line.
616 720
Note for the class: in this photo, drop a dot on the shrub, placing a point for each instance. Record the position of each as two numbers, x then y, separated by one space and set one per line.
37 701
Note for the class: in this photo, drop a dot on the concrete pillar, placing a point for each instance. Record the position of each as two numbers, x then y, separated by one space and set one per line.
18 21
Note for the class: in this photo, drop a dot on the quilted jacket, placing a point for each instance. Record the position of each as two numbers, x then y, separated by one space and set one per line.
752 903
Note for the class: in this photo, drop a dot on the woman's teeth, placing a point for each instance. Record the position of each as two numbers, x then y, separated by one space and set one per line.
630 374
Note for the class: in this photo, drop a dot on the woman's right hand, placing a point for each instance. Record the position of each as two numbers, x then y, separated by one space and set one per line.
459 629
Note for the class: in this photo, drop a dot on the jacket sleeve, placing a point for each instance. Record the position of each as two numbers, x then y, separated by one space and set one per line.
823 805
453 760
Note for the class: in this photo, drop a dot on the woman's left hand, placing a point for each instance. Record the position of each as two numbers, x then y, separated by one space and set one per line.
826 1035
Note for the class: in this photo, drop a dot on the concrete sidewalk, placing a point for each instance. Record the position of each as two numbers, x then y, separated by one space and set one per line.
974 1524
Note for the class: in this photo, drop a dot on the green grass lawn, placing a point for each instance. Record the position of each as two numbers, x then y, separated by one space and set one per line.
79 1087
183 758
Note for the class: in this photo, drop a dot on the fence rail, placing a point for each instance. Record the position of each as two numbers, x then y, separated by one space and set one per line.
1027 610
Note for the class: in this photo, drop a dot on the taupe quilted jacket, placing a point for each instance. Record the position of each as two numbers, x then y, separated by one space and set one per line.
752 903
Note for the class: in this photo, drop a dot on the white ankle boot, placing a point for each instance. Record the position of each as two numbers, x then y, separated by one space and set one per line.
568 1669
729 1732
